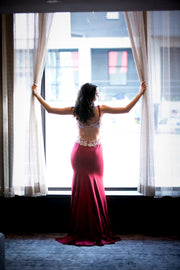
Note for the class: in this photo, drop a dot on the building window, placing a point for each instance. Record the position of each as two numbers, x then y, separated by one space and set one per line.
93 48
118 67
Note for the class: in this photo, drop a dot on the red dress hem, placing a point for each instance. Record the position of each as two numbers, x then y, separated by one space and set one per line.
70 240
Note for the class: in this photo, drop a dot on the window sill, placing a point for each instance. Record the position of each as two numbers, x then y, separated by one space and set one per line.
107 192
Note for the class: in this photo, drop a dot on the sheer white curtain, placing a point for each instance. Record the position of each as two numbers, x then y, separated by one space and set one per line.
138 24
155 38
31 48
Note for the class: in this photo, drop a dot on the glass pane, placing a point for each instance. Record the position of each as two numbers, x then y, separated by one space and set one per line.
166 95
92 47
118 67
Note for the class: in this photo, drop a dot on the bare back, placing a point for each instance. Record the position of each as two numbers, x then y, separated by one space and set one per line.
91 130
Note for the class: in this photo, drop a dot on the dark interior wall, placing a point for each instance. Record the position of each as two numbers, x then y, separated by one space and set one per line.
14 6
128 214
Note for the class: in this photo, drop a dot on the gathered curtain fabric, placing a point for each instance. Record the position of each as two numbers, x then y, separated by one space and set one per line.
32 181
138 24
36 169
6 105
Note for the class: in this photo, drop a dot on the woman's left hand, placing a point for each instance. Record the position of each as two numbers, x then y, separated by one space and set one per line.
34 89
142 87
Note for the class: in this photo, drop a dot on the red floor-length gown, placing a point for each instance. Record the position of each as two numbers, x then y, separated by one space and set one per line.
89 219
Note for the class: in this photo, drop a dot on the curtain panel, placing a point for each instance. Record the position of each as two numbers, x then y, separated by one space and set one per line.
29 149
138 24
155 39
6 105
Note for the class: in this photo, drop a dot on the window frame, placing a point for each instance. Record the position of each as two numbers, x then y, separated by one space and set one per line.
117 191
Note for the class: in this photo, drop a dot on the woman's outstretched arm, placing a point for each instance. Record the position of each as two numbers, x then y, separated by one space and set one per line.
126 109
47 107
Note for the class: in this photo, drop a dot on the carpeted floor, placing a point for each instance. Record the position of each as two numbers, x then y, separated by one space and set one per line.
38 253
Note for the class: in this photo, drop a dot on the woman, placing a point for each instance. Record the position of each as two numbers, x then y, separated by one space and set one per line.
89 219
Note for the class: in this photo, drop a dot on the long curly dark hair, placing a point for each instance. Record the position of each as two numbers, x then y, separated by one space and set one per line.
84 106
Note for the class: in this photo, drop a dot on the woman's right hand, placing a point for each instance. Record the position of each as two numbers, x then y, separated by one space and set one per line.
142 87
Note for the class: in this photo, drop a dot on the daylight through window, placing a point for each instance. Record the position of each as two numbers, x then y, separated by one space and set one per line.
92 47
95 47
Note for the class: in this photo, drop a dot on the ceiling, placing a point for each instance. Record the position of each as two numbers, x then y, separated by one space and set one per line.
20 6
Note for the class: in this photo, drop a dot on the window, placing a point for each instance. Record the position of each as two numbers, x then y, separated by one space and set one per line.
118 67
87 51
95 47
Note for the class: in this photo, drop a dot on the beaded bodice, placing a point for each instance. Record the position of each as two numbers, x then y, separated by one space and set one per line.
96 124
85 142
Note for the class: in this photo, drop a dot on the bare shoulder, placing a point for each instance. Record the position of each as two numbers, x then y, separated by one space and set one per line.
112 110
62 111
104 109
